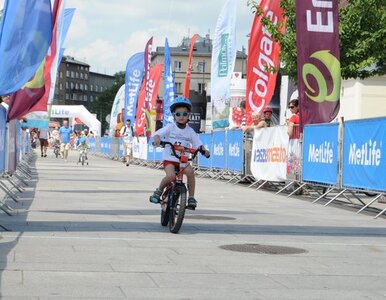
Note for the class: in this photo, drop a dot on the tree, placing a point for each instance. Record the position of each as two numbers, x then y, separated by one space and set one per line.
102 105
362 37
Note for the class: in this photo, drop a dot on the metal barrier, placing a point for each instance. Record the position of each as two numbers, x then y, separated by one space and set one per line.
321 154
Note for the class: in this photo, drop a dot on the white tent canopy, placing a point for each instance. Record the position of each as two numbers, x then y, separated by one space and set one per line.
77 111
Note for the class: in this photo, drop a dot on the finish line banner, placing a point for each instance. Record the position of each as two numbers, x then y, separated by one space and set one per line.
269 153
364 151
320 156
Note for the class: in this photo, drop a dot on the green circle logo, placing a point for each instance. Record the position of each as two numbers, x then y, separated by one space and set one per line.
320 94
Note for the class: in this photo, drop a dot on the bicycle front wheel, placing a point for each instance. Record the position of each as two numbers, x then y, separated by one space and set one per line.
177 208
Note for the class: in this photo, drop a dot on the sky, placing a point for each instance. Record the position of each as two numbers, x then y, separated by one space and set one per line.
105 33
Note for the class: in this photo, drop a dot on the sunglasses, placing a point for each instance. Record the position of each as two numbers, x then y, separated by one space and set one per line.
181 114
291 106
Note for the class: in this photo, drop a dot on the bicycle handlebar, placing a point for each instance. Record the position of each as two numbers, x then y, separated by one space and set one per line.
194 152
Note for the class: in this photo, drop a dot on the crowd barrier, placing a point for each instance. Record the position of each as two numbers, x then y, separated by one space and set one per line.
15 158
329 158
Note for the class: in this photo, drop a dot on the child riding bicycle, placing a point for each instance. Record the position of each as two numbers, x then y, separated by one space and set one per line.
182 134
82 145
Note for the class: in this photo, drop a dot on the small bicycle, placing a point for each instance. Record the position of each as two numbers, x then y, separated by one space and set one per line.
83 154
57 149
173 198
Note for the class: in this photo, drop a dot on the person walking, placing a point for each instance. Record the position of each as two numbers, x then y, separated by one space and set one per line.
43 139
127 132
65 138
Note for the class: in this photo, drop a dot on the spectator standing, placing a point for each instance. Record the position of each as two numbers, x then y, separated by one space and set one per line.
257 122
293 122
65 138
267 114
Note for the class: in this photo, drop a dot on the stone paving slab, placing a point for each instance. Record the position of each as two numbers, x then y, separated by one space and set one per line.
89 232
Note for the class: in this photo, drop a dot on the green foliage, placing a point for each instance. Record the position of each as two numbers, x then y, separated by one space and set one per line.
362 38
102 105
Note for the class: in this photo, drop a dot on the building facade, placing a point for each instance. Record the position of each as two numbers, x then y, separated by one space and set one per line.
201 62
76 85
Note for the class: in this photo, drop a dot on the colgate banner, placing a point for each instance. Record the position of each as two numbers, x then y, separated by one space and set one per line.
319 76
189 69
147 60
263 57
145 106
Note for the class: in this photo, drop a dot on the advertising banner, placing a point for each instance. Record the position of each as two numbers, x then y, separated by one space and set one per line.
206 140
106 145
146 102
269 151
92 144
235 150
364 154
140 148
218 152
319 76
263 58
133 82
190 67
321 153
169 86
26 33
117 111
150 150
3 138
11 167
224 55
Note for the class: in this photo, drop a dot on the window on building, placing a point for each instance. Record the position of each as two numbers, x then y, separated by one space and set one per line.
76 86
85 98
72 74
201 66
81 75
67 96
61 74
85 87
81 67
91 88
101 89
60 86
96 88
81 86
67 73
201 87
77 74
67 85
177 66
86 76
179 87
91 98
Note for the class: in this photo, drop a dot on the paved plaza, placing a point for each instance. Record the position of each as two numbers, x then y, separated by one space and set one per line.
89 232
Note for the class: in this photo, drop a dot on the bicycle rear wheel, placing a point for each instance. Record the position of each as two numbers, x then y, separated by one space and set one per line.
177 208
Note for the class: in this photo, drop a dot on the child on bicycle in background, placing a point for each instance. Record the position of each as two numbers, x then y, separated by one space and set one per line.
82 144
182 134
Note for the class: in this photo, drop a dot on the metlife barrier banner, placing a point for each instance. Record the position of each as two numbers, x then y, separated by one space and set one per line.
106 145
206 140
269 151
235 150
3 138
364 154
321 153
218 150
92 144
154 153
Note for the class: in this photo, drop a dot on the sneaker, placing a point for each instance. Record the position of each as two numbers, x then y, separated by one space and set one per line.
42 155
192 203
156 197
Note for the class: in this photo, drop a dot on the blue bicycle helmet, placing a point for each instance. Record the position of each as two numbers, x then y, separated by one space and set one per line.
180 101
